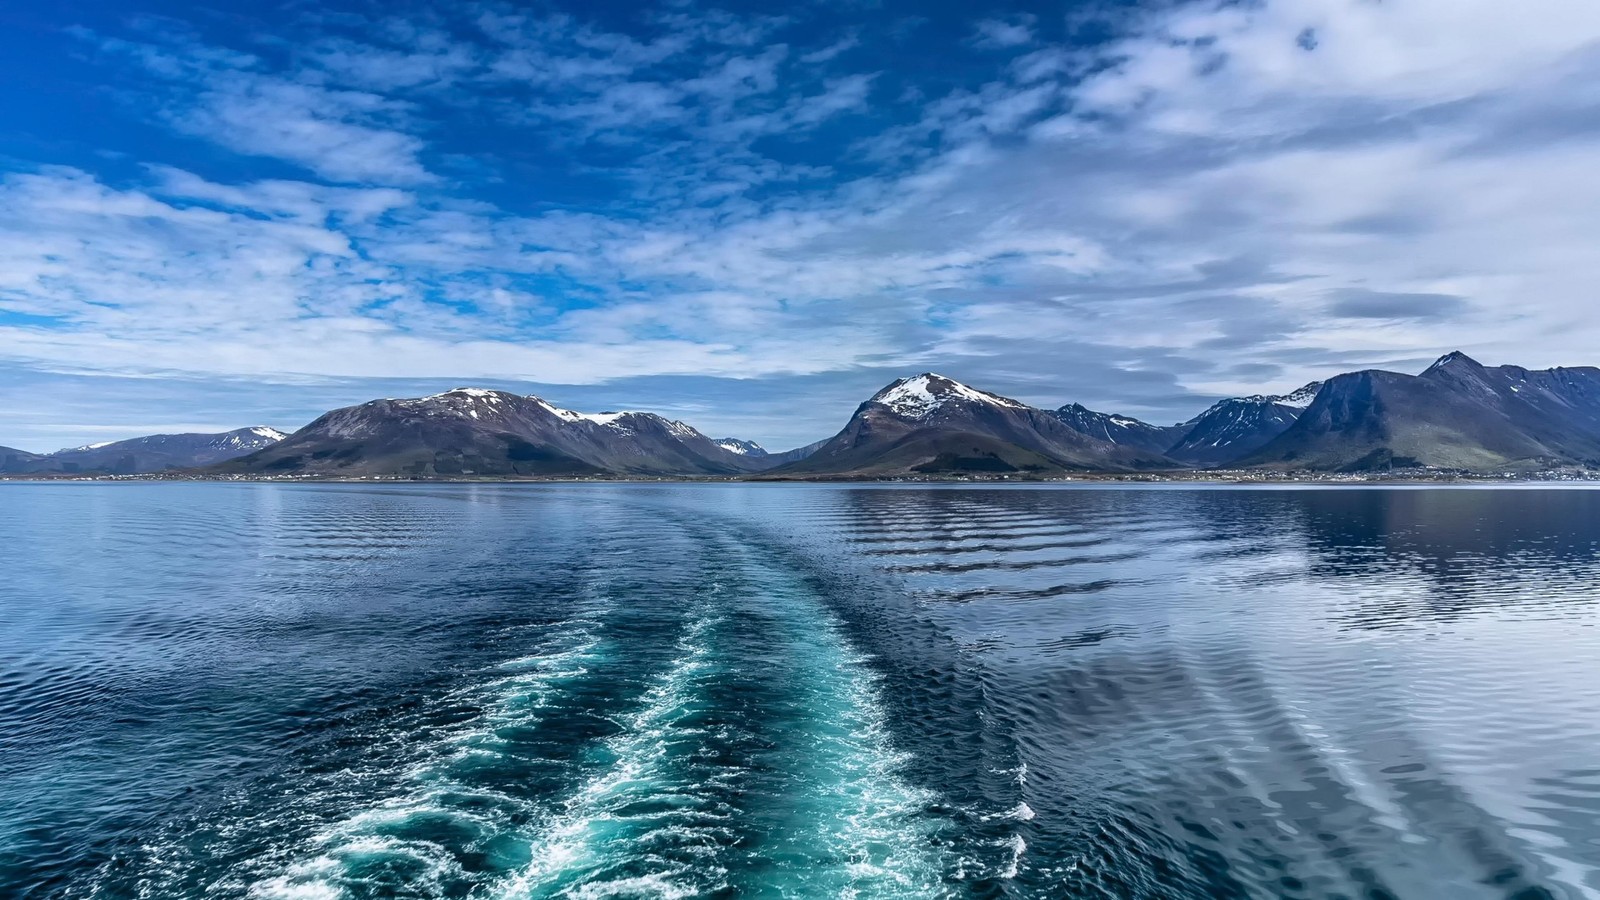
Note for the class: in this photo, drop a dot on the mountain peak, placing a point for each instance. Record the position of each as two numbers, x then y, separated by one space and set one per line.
461 397
1454 358
470 393
920 396
1299 398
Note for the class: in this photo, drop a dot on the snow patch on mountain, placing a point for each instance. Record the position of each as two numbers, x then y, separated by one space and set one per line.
468 401
742 448
1298 399
559 413
249 438
467 393
920 396
600 418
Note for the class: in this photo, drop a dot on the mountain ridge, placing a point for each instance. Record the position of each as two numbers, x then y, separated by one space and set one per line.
482 432
143 455
1232 428
1457 414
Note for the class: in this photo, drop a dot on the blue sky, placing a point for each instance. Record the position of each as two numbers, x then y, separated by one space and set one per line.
247 213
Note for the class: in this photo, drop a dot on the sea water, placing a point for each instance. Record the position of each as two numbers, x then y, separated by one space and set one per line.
751 690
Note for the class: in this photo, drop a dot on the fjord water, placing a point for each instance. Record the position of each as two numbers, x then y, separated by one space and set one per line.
507 691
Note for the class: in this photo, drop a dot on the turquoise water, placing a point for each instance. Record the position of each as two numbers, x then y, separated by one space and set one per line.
309 691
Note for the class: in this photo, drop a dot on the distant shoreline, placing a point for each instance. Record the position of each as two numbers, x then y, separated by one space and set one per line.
1219 477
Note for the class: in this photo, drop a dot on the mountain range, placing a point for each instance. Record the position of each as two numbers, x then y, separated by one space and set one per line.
1458 414
477 432
141 455
1224 433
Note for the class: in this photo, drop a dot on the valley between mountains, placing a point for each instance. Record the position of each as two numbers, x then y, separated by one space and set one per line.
1457 416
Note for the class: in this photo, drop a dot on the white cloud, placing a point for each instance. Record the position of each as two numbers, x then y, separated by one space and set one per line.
832 51
1004 33
338 134
327 131
269 285
429 58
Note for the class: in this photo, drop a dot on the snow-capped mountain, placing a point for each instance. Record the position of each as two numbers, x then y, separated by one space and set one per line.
743 448
1234 428
932 424
247 440
922 397
145 455
257 437
763 457
86 447
481 432
1123 431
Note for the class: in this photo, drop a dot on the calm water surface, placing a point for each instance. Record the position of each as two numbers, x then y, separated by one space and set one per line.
269 691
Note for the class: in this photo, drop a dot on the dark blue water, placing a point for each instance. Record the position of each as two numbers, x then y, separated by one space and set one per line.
272 691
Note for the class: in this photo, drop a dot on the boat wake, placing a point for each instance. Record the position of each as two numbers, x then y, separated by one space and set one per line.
746 749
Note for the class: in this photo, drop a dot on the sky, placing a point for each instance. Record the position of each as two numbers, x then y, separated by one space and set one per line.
752 216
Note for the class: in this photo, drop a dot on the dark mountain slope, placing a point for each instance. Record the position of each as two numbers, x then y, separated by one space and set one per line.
1236 427
1458 414
13 460
1559 408
1123 431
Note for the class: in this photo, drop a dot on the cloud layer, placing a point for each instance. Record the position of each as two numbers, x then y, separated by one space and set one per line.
1139 210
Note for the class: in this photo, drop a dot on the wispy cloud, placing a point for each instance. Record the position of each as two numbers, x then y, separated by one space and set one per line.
332 133
1005 33
831 51
224 96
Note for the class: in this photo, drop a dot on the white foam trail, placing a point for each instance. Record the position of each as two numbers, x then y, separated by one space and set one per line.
876 819
318 879
645 885
1022 812
1019 848
852 802
860 826
575 841
653 820
518 699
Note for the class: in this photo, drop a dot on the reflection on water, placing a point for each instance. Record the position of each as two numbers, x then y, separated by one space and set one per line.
767 690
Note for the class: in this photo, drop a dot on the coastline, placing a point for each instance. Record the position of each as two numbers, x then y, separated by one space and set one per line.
1219 477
